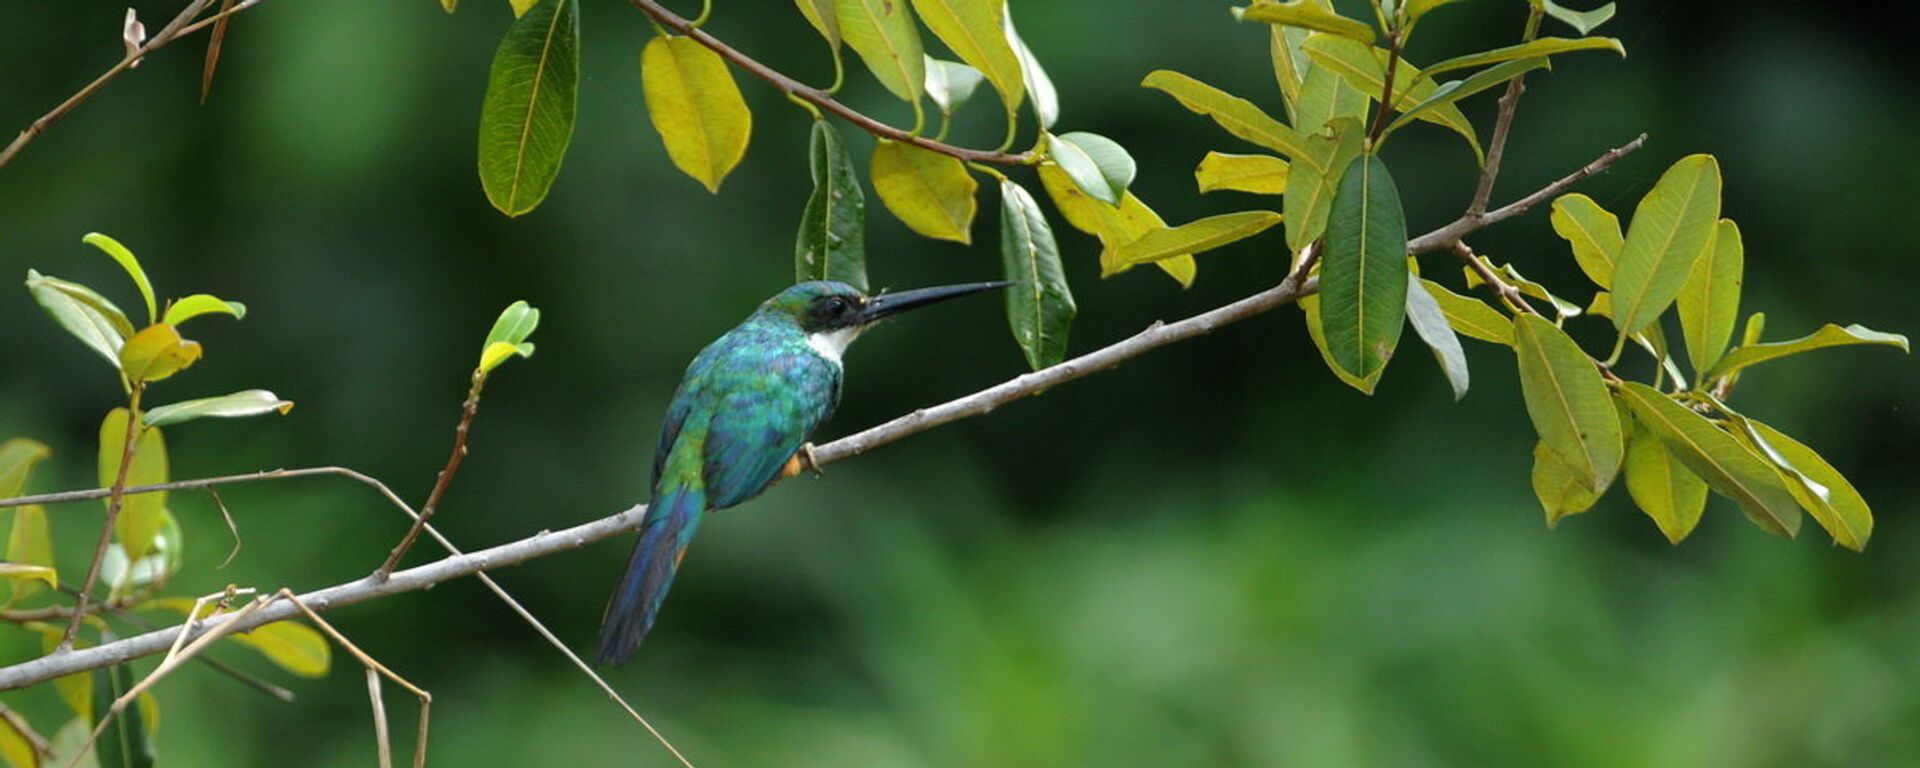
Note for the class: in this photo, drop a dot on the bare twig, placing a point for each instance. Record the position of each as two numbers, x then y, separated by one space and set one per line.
116 498
817 97
381 742
1509 295
1386 91
375 671
1497 148
1461 227
468 410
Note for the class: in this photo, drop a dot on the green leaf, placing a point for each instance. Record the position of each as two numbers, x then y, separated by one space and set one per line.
1306 14
1581 21
87 315
1310 305
975 30
140 514
515 324
1454 90
1192 237
1672 226
1561 307
124 744
1431 324
295 647
156 353
1843 512
1238 116
1728 466
1046 101
1311 180
526 118
930 192
882 32
202 304
30 544
1651 338
1114 226
127 262
1561 489
17 457
1469 316
1363 274
1326 97
1545 46
696 107
825 20
1259 174
1592 231
249 402
1096 164
832 244
1829 335
950 84
1567 401
1709 300
1419 8
1669 493
1365 69
1039 306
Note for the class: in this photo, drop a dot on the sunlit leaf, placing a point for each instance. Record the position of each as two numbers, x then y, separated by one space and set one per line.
126 260
1562 491
1709 300
1238 116
140 513
249 402
87 315
1312 178
930 192
1829 335
1194 237
526 118
1581 21
1365 69
883 33
17 458
1669 493
696 107
950 83
1567 401
1454 90
1040 308
1431 324
125 742
825 20
1592 231
1512 277
157 352
1545 46
1363 274
1114 226
1306 14
1325 97
30 544
1728 466
202 304
1259 174
1471 317
1671 227
1843 512
1046 101
975 30
832 244
1096 164
295 647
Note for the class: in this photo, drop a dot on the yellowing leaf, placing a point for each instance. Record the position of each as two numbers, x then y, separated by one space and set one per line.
1709 301
156 353
1593 233
520 7
16 750
1239 116
1194 237
1471 317
1829 335
1728 466
1545 46
1669 493
202 304
1311 180
1671 227
1365 69
1561 490
30 544
975 30
1567 401
140 513
25 572
1259 174
696 107
930 192
1306 14
882 32
17 457
1114 226
825 20
294 646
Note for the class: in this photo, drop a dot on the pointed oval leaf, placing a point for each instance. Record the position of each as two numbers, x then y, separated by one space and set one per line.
1194 237
126 260
1561 490
1669 493
832 244
295 647
1592 231
1430 322
696 107
1363 275
1325 96
1581 21
1671 227
1453 91
1843 512
1098 164
1313 177
930 192
1258 174
202 304
1829 335
1046 101
824 19
140 514
1238 116
882 32
1728 466
526 119
90 317
1709 300
1289 66
17 458
1545 46
1365 68
1114 226
249 402
514 325
157 352
1310 307
1306 14
1567 401
975 30
1469 316
1040 308
950 83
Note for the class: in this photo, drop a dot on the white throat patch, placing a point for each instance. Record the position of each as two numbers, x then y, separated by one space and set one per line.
831 344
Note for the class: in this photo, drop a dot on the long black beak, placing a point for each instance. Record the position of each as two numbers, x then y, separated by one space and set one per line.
894 303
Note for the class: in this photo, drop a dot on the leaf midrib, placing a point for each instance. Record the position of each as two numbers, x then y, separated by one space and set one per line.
533 99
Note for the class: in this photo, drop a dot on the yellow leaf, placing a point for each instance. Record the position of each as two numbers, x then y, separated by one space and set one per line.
17 457
30 542
882 32
1237 115
974 31
930 192
520 7
1115 226
141 515
696 107
157 352
296 647
1196 236
15 749
1259 174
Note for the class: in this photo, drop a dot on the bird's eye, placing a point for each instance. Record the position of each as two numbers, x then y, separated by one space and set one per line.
836 306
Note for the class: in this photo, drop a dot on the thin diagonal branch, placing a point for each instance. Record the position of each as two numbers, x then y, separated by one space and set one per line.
1497 148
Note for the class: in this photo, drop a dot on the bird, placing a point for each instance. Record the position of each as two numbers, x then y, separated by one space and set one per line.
739 422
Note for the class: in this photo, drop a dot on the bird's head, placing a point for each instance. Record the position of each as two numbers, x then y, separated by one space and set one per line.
833 314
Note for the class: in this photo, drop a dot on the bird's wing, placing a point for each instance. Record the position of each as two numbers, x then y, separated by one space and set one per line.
685 399
759 424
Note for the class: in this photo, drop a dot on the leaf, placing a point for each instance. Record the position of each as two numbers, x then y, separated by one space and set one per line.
1310 305
930 192
1454 90
825 20
202 304
1289 66
140 513
1193 237
832 244
1652 338
1114 226
1431 324
1671 227
1419 8
16 745
65 748
30 543
1728 466
122 572
1567 401
950 83
1096 164
17 457
157 352
1592 231
1581 21
1365 69
127 262
124 744
1039 306
295 647
520 7
526 118
24 571
1046 101
1326 97
515 324
882 32
975 30
1844 513
1306 14
1311 180
249 402
696 107
1259 174
1709 300
1471 317
1829 335
87 315
1669 493
1512 276
1545 46
1562 491
1363 274
1238 116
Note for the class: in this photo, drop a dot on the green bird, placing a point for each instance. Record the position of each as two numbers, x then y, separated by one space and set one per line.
739 422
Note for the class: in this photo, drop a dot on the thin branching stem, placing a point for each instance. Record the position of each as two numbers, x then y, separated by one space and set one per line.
116 498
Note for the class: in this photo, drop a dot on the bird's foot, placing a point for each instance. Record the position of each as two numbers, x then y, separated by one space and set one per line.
806 460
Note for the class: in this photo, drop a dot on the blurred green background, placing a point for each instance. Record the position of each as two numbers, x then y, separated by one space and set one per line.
1216 555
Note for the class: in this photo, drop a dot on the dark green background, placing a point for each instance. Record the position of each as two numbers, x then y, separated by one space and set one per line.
1215 555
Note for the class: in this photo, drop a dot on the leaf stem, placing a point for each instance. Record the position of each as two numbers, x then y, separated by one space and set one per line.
468 410
115 500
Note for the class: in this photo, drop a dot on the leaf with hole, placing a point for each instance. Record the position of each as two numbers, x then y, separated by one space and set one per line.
526 118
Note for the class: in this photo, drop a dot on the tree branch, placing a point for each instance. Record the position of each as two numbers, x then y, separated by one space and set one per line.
1290 289
1497 148
818 97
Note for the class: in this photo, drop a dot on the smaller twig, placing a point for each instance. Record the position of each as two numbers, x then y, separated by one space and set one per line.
468 410
117 498
381 742
373 667
231 527
20 726
1460 227
244 678
1509 295
1497 148
1386 92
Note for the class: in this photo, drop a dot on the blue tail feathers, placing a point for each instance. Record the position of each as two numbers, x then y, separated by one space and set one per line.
671 521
